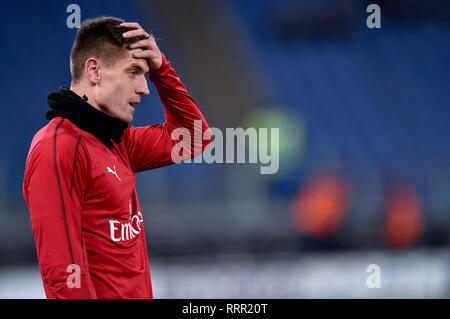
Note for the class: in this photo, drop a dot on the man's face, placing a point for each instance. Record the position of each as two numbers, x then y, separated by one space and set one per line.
122 85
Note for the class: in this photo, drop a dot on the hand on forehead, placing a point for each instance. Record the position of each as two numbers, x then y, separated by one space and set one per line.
148 49
141 61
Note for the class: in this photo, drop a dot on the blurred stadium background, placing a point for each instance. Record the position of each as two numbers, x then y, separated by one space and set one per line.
364 121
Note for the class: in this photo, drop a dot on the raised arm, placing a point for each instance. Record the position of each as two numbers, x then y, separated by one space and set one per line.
151 146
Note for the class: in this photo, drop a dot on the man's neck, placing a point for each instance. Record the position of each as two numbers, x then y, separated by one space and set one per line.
85 94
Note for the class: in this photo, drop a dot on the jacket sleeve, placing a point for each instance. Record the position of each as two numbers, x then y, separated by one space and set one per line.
55 178
153 146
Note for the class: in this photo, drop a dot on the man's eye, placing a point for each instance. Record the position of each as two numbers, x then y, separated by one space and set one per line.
132 72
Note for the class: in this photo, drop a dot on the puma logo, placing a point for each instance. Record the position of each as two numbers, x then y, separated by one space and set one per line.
113 172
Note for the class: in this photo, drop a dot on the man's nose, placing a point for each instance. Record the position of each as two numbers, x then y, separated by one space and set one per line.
142 88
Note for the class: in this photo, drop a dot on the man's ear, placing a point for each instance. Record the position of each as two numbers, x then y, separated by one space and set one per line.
92 70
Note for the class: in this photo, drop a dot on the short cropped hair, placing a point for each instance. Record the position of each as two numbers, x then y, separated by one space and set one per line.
99 38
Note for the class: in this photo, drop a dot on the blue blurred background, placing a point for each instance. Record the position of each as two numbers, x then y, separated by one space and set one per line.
364 145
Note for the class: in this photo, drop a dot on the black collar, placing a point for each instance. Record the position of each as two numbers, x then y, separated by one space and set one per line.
66 103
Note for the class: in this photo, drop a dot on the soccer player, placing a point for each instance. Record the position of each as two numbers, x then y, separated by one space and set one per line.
79 182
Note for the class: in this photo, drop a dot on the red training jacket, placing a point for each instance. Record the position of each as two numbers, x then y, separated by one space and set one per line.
84 210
